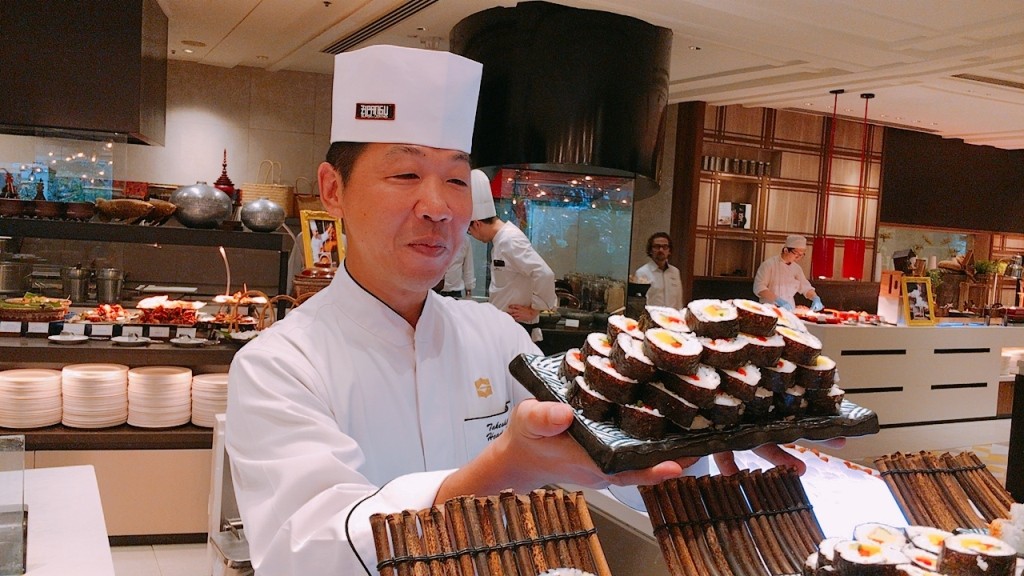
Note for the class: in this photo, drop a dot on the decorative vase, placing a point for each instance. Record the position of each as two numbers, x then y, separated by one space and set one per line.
201 205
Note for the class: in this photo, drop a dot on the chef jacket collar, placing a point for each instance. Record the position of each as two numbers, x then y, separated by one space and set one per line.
373 315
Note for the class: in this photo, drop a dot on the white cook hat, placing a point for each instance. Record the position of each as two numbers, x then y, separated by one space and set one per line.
403 95
483 202
796 241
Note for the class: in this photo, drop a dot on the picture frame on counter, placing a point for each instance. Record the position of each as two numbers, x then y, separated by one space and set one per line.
918 300
321 238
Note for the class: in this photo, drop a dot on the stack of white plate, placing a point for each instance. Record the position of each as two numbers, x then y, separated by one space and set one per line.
209 397
29 398
159 396
95 395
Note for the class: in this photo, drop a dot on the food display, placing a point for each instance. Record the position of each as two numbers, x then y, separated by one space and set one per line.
728 375
831 316
105 313
161 310
911 551
34 308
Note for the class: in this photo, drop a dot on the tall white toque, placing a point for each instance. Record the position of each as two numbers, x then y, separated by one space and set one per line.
483 201
393 94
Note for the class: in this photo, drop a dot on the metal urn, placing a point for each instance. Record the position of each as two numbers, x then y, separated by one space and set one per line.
262 215
201 205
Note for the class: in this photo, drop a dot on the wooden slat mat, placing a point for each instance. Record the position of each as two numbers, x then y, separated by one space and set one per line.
748 524
511 535
944 491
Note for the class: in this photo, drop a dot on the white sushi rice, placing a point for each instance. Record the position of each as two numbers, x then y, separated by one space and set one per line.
604 364
674 342
705 377
976 543
783 366
709 310
748 374
626 325
805 338
725 345
752 306
723 399
632 347
600 343
668 318
773 341
583 386
926 537
823 363
1011 530
677 397
574 358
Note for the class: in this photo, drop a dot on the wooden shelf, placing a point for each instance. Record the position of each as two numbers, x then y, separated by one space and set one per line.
36 350
123 437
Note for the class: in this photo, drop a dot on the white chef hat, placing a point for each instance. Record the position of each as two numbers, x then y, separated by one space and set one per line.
796 241
483 202
405 95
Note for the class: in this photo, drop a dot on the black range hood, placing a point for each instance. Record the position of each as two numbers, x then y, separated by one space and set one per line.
584 90
93 66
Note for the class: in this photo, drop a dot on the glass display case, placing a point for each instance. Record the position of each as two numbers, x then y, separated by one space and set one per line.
581 224
63 166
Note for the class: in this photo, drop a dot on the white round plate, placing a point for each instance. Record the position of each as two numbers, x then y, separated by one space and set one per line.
188 342
131 340
68 338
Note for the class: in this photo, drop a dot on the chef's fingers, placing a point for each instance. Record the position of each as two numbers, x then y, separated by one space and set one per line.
726 463
779 457
835 443
648 476
543 419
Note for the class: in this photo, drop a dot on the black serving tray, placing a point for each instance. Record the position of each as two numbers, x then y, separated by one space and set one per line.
614 451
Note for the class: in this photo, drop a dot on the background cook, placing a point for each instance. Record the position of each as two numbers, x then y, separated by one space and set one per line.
780 278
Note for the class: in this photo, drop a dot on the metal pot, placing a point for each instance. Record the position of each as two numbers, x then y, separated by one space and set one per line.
201 205
15 276
262 215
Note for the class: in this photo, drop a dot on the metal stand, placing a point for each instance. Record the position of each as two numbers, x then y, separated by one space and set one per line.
1015 458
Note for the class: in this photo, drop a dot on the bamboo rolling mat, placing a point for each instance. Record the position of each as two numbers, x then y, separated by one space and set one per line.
752 523
511 535
945 491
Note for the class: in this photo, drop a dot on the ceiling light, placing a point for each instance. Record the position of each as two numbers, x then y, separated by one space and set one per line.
188 50
195 43
694 48
808 104
262 57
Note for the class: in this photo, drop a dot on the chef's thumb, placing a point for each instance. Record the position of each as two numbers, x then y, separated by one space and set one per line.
545 419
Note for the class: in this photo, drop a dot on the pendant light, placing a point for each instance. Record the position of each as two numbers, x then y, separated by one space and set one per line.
853 249
823 253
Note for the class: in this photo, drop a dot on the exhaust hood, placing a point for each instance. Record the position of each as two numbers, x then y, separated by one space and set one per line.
89 67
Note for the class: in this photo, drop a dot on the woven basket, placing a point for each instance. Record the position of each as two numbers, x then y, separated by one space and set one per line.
269 187
309 201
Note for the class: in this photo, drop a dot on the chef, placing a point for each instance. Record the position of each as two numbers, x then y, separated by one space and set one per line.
522 283
378 394
780 278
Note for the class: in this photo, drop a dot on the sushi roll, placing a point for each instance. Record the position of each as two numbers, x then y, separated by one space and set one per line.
602 377
763 351
572 365
1010 530
881 534
712 318
801 347
927 538
597 343
912 570
760 407
821 374
618 324
921 558
725 353
725 410
977 555
827 552
698 388
699 423
791 402
824 402
590 403
787 319
629 359
672 351
755 318
859 558
641 421
676 408
810 566
663 317
779 377
741 382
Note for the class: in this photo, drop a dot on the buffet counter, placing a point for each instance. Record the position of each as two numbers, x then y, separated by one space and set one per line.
931 386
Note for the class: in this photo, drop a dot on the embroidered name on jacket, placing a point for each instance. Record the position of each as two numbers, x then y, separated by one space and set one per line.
367 111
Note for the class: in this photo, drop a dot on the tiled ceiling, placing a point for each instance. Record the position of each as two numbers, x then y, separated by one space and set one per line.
950 67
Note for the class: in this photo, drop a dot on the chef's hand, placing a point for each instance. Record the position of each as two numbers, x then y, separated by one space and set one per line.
773 453
536 450
783 304
522 313
816 305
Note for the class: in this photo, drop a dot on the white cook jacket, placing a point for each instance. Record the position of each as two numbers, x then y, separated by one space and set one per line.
519 275
342 409
666 285
785 280
460 275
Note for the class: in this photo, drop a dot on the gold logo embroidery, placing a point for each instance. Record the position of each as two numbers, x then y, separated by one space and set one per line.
483 387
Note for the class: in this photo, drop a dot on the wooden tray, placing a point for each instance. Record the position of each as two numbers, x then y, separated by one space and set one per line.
614 451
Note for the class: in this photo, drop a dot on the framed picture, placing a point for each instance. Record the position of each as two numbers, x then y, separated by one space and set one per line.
734 215
918 300
321 238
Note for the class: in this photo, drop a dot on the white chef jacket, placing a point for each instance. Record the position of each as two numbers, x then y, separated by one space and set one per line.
785 280
519 275
666 285
342 409
460 275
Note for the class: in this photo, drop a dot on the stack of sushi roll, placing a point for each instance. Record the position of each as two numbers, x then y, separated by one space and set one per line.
714 363
878 549
1011 530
